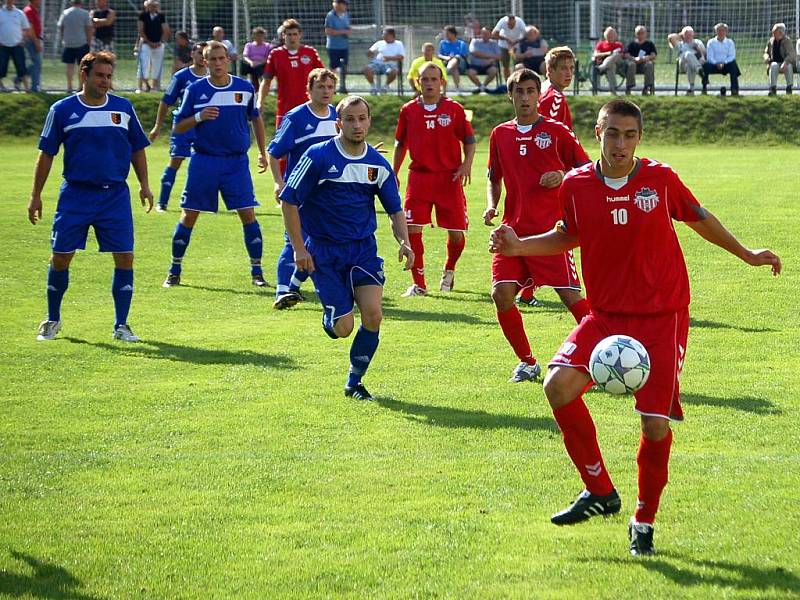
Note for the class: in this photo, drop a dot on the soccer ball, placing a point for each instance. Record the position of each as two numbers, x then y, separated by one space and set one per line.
619 365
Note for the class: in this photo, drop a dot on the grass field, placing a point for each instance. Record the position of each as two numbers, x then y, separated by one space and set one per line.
218 458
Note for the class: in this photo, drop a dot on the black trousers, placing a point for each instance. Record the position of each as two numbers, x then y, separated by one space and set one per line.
730 68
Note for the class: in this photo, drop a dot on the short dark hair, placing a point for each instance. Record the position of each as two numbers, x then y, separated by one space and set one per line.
451 29
389 30
523 75
349 101
183 35
101 58
623 108
199 45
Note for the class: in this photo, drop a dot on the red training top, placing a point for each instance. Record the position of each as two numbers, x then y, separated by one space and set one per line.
291 70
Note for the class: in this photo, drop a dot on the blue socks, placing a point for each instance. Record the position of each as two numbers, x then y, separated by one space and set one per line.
361 352
167 181
254 245
298 277
57 284
285 269
180 242
122 291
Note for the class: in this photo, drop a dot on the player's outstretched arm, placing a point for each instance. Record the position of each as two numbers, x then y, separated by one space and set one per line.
261 140
505 241
291 220
139 162
715 232
400 231
43 165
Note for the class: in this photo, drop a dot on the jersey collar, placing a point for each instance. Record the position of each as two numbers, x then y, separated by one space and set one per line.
91 106
636 168
345 154
222 87
315 115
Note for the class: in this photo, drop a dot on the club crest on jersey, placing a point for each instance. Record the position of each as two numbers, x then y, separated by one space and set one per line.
646 199
543 140
443 120
305 59
116 118
372 173
238 97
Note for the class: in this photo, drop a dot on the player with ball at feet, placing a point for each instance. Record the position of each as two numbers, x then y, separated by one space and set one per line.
620 212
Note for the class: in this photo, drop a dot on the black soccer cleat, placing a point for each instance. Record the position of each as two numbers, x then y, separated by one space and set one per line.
171 281
359 392
259 281
641 536
287 300
587 506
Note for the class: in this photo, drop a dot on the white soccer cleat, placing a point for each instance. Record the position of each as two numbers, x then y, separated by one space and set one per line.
124 334
414 290
448 278
48 330
525 372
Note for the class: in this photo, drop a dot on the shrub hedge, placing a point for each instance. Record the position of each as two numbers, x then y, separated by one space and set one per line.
699 119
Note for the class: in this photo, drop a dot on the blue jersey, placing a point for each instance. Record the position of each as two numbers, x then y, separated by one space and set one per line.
229 133
177 86
300 129
456 48
336 192
98 140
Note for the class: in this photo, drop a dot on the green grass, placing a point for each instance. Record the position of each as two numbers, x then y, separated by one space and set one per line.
218 458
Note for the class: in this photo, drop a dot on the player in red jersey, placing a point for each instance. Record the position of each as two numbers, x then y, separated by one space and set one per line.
620 211
290 65
530 155
560 65
433 128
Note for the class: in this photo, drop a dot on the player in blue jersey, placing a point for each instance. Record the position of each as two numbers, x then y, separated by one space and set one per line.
219 108
102 137
180 145
331 191
301 128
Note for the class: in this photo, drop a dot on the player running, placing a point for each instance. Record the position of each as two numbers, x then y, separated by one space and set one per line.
301 128
620 212
219 108
332 192
102 138
529 155
433 128
180 144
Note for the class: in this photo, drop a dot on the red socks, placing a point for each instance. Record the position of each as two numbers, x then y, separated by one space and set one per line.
511 324
418 270
526 294
580 438
653 461
580 309
454 250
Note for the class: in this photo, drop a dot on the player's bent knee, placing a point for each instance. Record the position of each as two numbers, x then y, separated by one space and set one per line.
61 261
562 385
569 297
123 260
655 428
503 295
371 319
343 326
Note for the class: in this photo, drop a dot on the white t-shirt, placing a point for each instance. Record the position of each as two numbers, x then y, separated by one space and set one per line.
12 22
516 34
381 49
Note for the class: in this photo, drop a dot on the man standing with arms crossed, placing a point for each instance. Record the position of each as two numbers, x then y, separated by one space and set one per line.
220 108
332 190
620 211
180 144
530 156
102 137
433 128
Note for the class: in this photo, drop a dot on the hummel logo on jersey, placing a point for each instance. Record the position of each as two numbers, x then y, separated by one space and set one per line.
333 169
126 288
309 127
74 116
203 97
618 198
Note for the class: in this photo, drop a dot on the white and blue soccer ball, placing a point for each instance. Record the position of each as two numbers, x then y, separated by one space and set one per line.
619 365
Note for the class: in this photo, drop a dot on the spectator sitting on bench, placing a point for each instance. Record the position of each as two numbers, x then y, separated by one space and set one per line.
779 56
428 55
640 57
484 58
607 57
691 55
531 51
385 56
721 58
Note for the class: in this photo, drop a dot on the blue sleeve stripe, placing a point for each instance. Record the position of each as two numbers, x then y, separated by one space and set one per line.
299 172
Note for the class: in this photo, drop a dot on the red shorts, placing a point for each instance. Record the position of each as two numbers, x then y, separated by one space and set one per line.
557 271
663 335
426 190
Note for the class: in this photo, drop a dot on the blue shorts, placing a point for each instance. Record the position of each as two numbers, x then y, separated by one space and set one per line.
180 144
380 67
107 209
339 269
210 176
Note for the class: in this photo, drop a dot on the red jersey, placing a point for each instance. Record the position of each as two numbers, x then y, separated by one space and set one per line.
605 46
35 20
291 70
434 137
631 260
553 105
519 156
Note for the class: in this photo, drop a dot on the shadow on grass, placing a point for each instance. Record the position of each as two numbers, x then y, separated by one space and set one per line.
733 576
200 356
454 418
705 324
47 581
243 291
403 314
757 406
